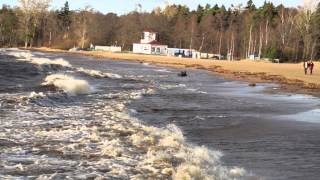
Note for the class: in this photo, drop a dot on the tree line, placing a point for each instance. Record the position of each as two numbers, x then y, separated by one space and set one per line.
269 31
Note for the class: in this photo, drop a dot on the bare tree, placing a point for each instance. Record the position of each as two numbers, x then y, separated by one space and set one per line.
33 11
82 26
304 24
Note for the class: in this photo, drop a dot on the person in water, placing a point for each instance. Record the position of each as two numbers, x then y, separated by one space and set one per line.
305 67
311 66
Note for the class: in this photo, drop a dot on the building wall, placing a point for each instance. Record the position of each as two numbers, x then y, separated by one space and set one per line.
149 37
150 49
179 51
108 48
142 48
159 49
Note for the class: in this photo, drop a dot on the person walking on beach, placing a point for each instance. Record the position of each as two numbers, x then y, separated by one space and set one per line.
305 67
311 66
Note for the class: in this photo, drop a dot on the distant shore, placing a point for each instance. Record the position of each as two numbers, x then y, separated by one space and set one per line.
290 77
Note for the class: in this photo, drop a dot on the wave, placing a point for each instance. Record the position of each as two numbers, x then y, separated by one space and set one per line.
163 70
166 148
54 64
172 86
99 74
68 84
99 139
46 61
103 141
26 55
35 95
127 148
18 53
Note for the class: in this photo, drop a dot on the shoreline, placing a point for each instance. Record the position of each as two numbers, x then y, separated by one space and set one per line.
298 83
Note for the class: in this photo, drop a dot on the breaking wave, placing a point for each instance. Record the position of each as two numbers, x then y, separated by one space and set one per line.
98 74
68 84
96 138
25 55
28 56
46 61
103 141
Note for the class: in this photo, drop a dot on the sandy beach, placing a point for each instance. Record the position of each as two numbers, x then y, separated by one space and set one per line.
290 76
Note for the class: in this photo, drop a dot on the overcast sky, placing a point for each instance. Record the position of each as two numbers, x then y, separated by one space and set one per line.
125 6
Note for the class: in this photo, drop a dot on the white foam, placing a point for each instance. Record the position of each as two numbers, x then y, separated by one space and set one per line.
172 86
3 51
25 55
36 95
46 61
163 70
68 84
104 139
100 74
311 116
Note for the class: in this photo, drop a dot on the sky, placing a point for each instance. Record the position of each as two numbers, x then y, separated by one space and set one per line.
126 6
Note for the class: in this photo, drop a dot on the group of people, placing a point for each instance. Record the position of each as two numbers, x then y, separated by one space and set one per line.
308 65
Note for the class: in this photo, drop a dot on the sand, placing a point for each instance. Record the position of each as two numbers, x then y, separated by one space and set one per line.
290 76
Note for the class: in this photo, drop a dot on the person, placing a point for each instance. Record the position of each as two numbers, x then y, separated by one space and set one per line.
305 67
311 66
183 74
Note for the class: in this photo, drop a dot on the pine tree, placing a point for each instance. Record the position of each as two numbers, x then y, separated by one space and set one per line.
64 16
250 6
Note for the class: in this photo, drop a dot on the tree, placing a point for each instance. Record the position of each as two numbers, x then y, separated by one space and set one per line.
266 31
315 33
65 19
82 26
192 30
303 22
33 11
250 6
130 29
267 12
8 24
179 32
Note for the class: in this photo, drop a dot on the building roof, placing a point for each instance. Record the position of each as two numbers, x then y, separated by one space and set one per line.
150 30
153 43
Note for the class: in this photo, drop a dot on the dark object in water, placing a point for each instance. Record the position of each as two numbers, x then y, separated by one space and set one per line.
252 84
183 74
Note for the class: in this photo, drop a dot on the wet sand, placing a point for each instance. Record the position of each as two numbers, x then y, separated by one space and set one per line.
290 76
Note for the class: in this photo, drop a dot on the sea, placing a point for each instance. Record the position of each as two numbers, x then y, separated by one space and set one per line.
67 116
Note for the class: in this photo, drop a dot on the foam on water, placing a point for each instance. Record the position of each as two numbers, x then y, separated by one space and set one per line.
25 55
102 141
68 84
96 139
36 95
311 116
172 86
46 61
19 53
28 56
99 74
163 70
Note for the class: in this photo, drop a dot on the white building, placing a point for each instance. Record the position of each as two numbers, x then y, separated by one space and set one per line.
108 48
180 52
150 45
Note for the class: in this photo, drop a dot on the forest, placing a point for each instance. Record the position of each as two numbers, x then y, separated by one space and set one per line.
269 31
